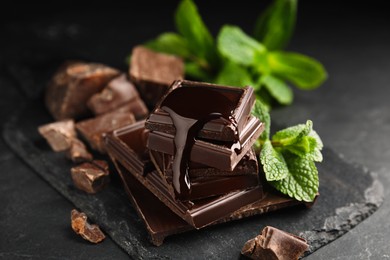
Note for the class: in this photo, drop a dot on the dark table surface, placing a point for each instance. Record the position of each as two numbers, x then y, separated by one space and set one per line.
351 110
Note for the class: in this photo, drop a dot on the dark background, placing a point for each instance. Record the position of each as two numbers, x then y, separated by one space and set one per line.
351 110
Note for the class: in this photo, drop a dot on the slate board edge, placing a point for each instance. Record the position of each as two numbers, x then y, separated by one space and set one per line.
334 226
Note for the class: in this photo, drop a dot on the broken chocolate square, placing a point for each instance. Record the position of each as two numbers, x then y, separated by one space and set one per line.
154 72
78 152
72 85
59 135
80 225
91 177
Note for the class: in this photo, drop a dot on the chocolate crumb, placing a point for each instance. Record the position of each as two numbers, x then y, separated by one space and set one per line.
78 152
90 232
275 244
91 177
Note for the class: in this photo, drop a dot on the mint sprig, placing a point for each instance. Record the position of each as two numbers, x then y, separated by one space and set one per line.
258 61
288 157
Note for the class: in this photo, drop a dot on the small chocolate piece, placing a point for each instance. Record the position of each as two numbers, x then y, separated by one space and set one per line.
89 232
275 244
91 177
72 85
78 152
118 93
93 129
192 98
59 135
154 72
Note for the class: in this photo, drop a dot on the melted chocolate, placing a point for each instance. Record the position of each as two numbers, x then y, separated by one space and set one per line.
190 109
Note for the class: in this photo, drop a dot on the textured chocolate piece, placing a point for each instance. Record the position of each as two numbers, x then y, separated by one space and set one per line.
59 135
241 100
72 85
223 156
154 72
275 244
198 214
91 233
78 152
118 93
93 129
91 177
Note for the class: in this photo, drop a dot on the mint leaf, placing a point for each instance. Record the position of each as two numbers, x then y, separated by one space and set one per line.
292 134
302 181
278 89
233 74
315 135
237 46
275 26
301 70
194 70
191 26
274 165
171 43
261 112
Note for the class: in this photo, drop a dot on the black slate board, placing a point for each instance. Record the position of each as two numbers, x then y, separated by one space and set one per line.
349 194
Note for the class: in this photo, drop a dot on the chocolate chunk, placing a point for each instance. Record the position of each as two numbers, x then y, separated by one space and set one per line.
59 135
78 152
72 85
275 244
89 232
91 177
154 72
195 98
93 129
223 156
118 93
131 156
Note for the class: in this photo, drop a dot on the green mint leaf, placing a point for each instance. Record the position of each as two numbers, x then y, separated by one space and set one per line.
261 112
319 142
301 147
275 26
171 43
233 74
274 165
292 134
190 25
238 47
302 181
303 71
195 71
278 89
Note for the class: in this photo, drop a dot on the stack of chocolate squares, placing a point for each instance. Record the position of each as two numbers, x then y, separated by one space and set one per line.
194 154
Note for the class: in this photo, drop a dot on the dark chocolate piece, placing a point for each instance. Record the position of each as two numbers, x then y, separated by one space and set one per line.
90 177
218 155
72 85
78 152
118 93
59 135
154 72
275 244
199 213
196 98
93 129
91 233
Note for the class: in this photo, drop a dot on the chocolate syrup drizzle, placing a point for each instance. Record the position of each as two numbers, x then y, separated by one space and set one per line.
190 109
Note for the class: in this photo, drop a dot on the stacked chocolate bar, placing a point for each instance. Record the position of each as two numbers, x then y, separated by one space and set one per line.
194 152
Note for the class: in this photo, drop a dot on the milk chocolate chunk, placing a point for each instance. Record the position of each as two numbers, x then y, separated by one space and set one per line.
154 72
80 225
119 92
73 84
59 135
275 244
193 98
93 129
78 152
91 177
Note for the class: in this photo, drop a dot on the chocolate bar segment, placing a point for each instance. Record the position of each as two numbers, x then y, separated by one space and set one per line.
154 72
218 155
194 99
72 85
118 93
93 129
